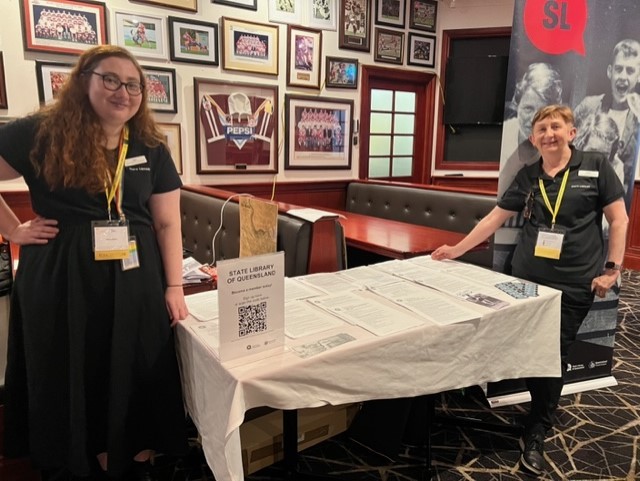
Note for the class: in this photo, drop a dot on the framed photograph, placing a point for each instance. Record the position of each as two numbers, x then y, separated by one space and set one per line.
188 5
4 104
318 132
249 46
341 72
63 26
248 4
304 52
236 127
160 88
389 46
143 35
51 76
173 138
323 14
422 14
355 25
391 13
193 41
286 11
421 50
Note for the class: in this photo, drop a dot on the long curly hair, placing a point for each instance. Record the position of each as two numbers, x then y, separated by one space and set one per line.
69 146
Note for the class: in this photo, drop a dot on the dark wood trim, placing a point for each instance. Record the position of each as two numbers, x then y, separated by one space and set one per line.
447 36
488 185
632 253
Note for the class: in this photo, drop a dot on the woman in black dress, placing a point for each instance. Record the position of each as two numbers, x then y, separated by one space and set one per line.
92 381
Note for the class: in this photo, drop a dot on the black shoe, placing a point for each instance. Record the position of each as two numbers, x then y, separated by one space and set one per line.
533 452
144 471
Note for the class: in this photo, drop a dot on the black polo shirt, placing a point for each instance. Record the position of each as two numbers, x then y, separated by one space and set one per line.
592 185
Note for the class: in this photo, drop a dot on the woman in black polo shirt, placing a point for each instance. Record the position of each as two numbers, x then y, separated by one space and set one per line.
563 197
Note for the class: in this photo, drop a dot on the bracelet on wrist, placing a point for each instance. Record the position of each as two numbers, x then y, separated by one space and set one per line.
174 285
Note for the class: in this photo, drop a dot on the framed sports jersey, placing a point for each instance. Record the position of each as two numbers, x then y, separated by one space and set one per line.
249 46
237 127
318 132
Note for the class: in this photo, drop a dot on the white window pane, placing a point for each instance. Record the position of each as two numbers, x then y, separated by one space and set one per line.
380 145
405 102
381 123
379 167
382 100
403 145
404 124
402 166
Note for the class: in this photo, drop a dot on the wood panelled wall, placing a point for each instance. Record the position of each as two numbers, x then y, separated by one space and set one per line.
332 194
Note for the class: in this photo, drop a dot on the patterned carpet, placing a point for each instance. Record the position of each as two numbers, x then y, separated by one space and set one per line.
596 438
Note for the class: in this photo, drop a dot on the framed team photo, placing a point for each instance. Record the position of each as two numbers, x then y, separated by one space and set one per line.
304 52
389 46
143 35
236 127
160 88
188 5
51 77
323 14
247 4
193 41
318 133
172 135
249 46
355 25
423 14
421 50
341 72
63 26
391 13
4 104
286 11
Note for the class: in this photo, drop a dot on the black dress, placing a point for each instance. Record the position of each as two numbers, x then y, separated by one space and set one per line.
91 360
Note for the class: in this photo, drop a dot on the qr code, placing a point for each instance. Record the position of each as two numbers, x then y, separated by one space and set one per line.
252 319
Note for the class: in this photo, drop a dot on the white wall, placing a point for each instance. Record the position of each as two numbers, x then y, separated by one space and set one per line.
22 91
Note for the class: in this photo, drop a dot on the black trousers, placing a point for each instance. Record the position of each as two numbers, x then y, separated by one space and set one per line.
545 392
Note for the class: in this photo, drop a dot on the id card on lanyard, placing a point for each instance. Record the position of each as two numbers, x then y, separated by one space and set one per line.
549 241
111 237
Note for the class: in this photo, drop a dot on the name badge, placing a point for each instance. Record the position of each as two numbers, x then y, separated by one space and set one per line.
133 261
140 159
588 173
110 239
549 243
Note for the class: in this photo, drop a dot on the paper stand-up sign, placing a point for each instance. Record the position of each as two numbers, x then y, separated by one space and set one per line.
251 305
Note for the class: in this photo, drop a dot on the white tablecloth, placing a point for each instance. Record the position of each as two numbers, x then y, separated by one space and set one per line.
521 340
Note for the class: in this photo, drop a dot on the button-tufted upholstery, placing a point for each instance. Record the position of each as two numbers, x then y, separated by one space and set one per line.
454 211
201 218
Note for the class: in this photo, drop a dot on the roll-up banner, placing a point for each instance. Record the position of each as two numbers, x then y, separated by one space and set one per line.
585 54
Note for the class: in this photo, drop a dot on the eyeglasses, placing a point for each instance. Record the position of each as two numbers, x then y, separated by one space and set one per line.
113 83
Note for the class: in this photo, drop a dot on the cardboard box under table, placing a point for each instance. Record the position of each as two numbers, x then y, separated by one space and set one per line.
262 437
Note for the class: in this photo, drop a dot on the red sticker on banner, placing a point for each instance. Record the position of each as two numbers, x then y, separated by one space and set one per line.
556 27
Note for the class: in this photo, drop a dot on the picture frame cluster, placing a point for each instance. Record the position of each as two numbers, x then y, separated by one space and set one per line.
319 130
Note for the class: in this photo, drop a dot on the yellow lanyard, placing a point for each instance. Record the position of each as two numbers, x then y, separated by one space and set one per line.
116 183
554 211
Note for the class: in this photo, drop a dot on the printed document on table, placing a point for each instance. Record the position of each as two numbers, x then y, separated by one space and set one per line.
209 334
302 319
367 276
438 308
311 215
367 312
463 270
203 306
328 283
294 289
